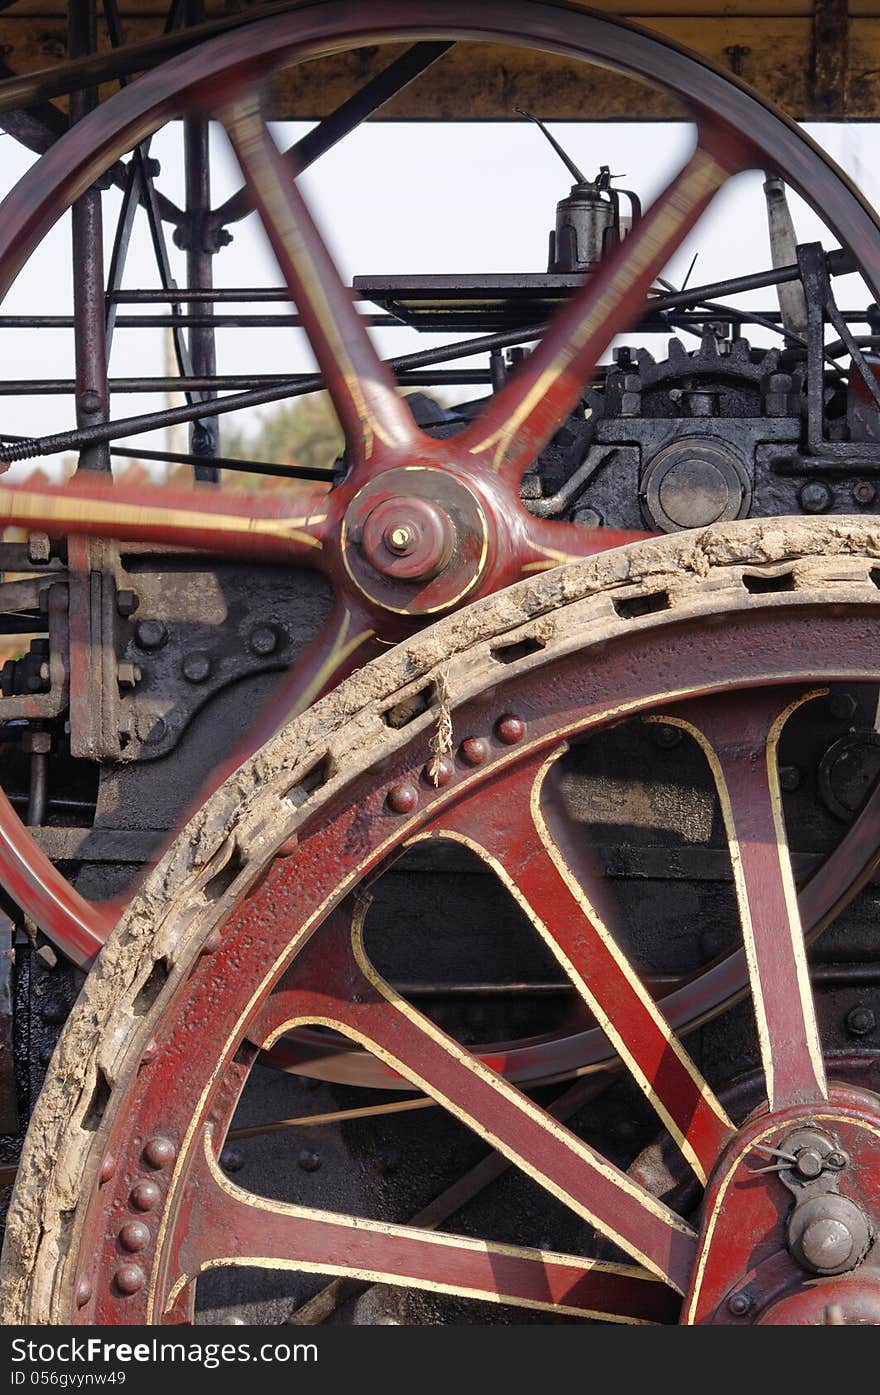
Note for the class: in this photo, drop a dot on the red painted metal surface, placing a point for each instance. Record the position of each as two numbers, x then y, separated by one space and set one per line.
493 540
284 956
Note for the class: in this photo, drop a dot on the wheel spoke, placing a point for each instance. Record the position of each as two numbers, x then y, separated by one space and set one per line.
520 832
739 737
232 1226
37 886
521 419
333 984
287 526
372 414
546 543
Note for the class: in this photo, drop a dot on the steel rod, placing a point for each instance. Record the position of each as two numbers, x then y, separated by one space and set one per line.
92 391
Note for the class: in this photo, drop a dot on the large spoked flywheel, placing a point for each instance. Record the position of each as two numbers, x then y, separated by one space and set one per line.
255 924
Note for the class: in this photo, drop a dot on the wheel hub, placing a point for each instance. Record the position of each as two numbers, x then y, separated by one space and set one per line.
415 540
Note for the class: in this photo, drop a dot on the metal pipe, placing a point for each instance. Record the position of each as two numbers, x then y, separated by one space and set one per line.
92 390
37 792
838 263
22 387
194 236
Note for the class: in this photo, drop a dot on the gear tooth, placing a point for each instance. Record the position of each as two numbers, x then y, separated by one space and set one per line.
709 345
675 351
770 361
645 359
741 350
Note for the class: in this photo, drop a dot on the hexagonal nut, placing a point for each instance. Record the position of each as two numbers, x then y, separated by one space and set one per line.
37 743
39 549
127 603
128 675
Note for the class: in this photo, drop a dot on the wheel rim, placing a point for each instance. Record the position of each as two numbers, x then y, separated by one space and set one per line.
825 628
496 539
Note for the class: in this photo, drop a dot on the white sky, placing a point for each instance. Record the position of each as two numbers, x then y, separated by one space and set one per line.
396 198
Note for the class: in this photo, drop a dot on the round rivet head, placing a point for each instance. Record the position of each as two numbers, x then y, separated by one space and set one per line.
150 634
107 1168
474 750
231 1159
145 1195
159 1151
739 1303
438 772
130 1278
263 640
403 798
133 1236
510 729
309 1160
196 668
83 1293
860 1021
150 1051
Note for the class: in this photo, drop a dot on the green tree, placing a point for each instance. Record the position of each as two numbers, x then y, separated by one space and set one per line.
305 431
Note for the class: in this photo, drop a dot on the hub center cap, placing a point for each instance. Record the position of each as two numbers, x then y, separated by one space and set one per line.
415 540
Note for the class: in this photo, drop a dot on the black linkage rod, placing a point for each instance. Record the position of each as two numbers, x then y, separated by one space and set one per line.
839 263
225 462
93 393
341 122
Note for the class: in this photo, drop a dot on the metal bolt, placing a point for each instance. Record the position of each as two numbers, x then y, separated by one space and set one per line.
159 1151
196 668
401 538
145 1195
45 674
438 772
89 401
808 1163
39 549
130 1278
403 798
150 1052
231 1159
54 1011
860 1021
150 634
510 730
133 1236
740 1303
107 1168
152 730
127 603
789 778
665 735
842 706
474 750
37 743
837 1160
815 497
263 640
864 492
128 675
83 1293
308 1160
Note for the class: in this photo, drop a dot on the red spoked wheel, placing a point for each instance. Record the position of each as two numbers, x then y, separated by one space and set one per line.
419 526
254 922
